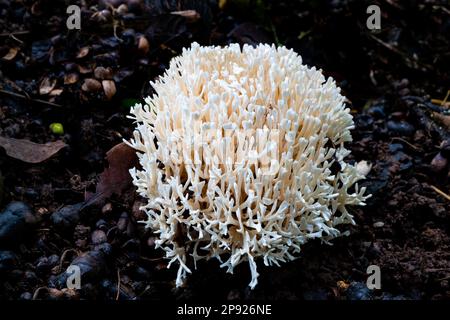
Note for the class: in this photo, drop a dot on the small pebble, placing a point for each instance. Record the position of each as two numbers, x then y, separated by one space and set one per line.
122 223
439 163
98 237
26 296
105 248
377 112
68 216
8 259
14 222
30 277
378 224
107 208
101 225
400 127
316 295
358 291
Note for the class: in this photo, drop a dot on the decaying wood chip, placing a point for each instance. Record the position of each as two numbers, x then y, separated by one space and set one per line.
91 85
103 73
109 87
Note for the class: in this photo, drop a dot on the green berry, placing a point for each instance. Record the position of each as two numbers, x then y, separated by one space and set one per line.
57 128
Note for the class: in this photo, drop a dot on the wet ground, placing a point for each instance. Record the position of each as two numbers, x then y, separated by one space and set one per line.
84 82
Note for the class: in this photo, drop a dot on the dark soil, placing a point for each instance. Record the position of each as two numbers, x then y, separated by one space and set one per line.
395 80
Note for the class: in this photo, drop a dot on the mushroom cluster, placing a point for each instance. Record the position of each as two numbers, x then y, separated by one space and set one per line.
242 157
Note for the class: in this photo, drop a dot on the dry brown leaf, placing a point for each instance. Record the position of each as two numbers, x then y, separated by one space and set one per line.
12 53
46 86
116 178
71 78
83 52
91 85
109 87
28 151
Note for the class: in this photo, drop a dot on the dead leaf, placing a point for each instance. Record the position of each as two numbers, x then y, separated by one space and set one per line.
11 54
91 85
109 87
28 151
83 52
46 86
116 178
190 15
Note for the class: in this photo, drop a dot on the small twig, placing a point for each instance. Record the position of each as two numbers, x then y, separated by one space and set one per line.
115 26
127 243
447 11
145 290
63 257
110 230
14 33
446 98
36 292
16 87
152 259
404 141
442 193
442 103
411 63
435 269
118 284
423 103
165 43
274 32
20 96
15 38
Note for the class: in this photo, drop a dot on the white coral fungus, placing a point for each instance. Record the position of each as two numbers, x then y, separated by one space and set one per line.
236 148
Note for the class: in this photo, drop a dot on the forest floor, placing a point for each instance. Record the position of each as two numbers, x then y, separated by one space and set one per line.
396 81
